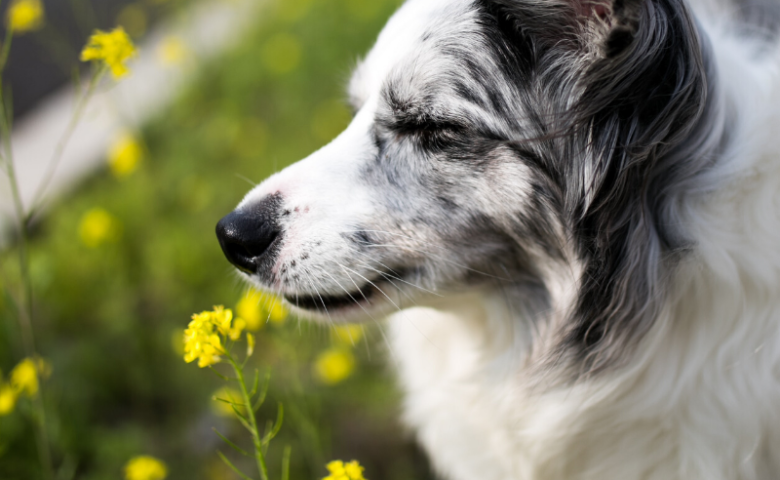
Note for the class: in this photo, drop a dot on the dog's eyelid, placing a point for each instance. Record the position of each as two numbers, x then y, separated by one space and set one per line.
429 123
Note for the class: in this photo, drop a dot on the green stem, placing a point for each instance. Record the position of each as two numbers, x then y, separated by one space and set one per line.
257 440
63 142
9 35
26 305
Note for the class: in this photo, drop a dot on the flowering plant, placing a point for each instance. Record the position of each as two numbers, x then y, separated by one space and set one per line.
109 52
209 338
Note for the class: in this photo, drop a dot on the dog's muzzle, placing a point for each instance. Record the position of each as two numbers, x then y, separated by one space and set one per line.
247 234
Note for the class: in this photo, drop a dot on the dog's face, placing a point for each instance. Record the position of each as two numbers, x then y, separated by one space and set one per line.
494 142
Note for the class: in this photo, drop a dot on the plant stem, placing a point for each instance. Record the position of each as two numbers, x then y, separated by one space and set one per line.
9 35
252 421
81 104
26 305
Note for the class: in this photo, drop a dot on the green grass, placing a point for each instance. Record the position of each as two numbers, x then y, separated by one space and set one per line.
106 316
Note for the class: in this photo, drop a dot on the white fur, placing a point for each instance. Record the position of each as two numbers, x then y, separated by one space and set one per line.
701 401
701 397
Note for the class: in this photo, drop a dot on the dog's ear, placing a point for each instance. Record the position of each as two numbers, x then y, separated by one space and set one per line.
627 84
643 116
606 25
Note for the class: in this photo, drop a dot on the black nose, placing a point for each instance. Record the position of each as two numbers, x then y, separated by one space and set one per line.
246 234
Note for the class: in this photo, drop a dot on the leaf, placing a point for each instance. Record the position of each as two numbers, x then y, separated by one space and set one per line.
256 383
277 426
230 402
227 379
231 444
242 419
263 393
232 467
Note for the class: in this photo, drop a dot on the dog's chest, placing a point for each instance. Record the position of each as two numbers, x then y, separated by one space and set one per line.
451 402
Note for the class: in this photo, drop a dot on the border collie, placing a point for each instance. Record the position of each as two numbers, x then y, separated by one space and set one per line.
569 211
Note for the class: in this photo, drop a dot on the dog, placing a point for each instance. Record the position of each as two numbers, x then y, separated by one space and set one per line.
569 212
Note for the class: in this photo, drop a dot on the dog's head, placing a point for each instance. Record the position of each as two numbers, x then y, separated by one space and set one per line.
543 145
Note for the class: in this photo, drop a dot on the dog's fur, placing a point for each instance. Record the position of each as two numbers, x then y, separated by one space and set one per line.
572 212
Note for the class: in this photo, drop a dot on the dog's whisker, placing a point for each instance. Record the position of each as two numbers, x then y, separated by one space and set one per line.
396 277
375 286
355 301
306 272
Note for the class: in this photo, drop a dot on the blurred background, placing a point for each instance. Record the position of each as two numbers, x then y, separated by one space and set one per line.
125 252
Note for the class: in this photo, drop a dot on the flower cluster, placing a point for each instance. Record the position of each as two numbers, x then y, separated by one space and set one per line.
344 471
24 380
25 15
144 467
204 335
112 48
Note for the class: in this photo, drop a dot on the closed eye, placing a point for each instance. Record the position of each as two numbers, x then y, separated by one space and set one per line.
428 132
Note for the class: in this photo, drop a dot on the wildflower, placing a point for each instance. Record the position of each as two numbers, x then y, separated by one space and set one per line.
25 375
222 319
201 341
144 467
347 334
344 471
113 48
7 399
172 51
25 15
124 155
222 407
250 344
334 365
257 307
97 227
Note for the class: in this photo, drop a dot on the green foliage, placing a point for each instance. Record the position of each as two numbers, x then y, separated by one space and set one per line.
107 317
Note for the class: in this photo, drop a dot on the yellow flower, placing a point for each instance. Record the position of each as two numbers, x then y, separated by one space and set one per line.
334 365
224 409
344 471
201 341
25 375
222 319
250 344
256 307
202 337
347 334
144 467
124 155
25 15
7 399
113 48
172 51
97 227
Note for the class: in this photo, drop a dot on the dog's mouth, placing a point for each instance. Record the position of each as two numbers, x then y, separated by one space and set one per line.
327 303
363 297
